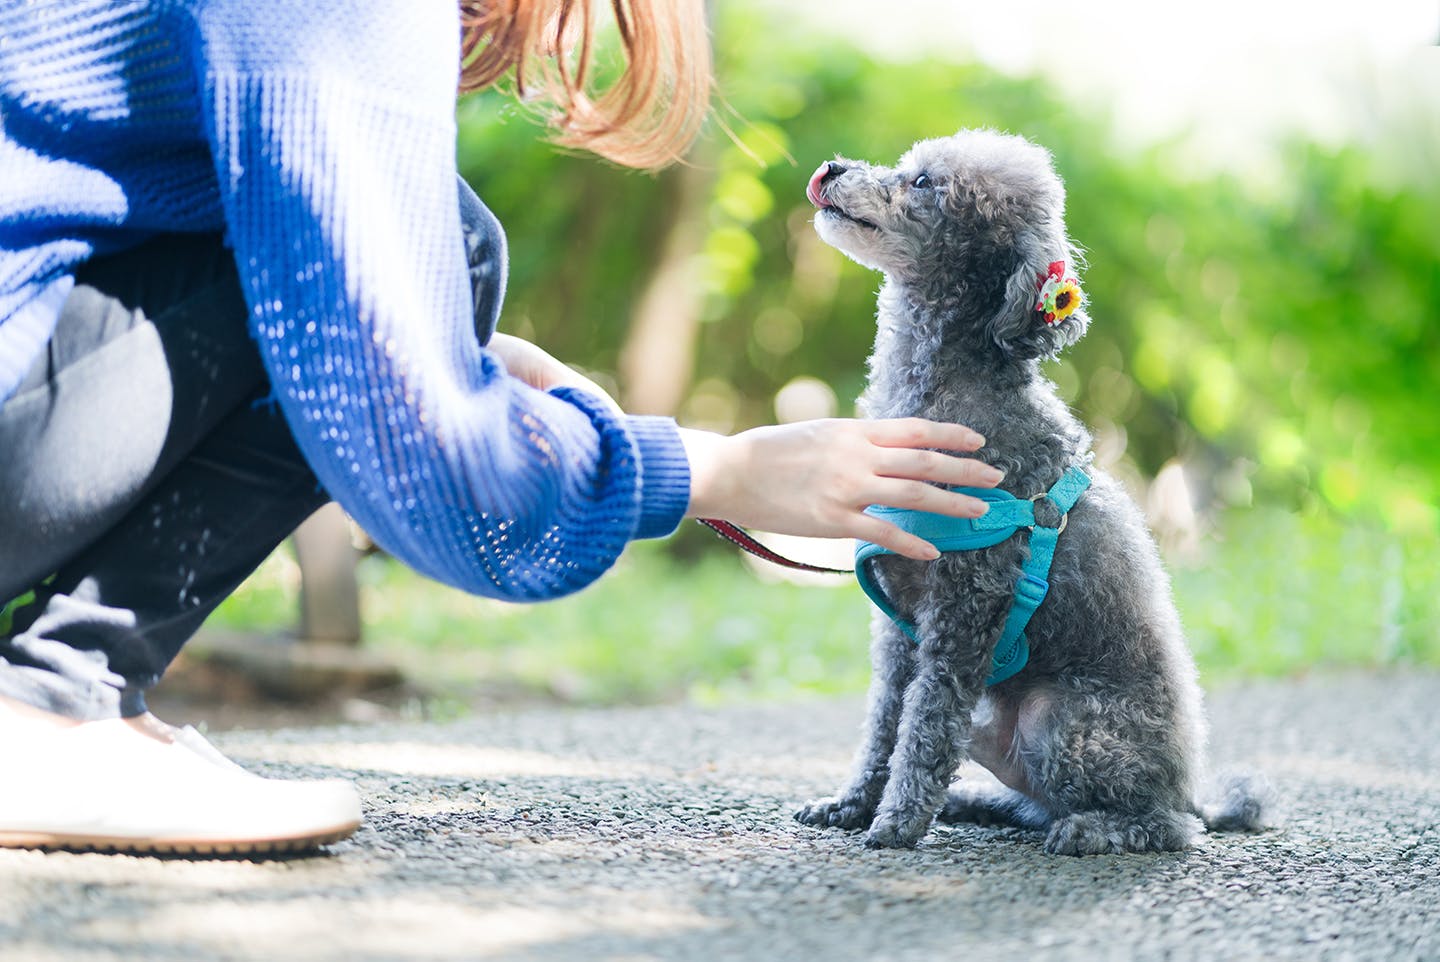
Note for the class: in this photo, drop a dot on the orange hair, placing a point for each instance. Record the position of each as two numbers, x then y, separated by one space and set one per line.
646 118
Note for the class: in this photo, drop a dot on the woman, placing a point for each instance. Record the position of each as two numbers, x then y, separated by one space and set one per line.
233 285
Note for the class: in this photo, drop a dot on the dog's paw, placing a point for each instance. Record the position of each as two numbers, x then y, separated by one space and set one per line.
1102 833
837 812
1082 834
888 832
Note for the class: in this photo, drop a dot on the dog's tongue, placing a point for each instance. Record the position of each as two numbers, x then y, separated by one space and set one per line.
812 190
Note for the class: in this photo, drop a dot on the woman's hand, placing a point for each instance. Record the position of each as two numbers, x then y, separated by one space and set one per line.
540 370
816 478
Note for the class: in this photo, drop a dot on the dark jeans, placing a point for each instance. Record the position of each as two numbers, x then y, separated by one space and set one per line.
144 474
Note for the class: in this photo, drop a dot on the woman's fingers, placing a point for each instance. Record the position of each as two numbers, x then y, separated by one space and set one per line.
919 496
905 456
540 370
919 433
939 468
886 535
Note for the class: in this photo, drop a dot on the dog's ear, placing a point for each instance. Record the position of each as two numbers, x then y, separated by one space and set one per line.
1022 327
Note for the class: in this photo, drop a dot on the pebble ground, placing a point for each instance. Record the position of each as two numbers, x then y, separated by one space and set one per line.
665 834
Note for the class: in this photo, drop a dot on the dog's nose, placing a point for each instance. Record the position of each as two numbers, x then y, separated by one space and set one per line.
826 171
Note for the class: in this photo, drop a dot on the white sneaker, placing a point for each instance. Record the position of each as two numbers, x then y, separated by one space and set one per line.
105 786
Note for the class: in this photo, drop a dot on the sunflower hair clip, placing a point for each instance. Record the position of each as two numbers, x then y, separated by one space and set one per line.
1059 293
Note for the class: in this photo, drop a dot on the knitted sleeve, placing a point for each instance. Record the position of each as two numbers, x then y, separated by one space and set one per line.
334 147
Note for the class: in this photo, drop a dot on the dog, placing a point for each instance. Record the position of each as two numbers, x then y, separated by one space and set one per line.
1097 740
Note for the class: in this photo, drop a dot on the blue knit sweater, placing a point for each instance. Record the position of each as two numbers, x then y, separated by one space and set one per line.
320 136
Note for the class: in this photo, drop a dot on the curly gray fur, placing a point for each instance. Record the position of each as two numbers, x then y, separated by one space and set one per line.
1098 740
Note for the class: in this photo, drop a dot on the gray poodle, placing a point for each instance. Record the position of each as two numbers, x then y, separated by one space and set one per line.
1097 739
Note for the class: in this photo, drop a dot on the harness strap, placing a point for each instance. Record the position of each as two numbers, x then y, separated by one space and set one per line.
1007 515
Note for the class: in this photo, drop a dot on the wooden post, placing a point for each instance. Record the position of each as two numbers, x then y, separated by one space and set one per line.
329 592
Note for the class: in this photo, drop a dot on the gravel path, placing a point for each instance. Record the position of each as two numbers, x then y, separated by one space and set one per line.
665 833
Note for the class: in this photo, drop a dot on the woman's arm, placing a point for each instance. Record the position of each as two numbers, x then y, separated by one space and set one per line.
334 143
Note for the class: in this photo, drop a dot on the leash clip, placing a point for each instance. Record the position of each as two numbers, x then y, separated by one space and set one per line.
1064 515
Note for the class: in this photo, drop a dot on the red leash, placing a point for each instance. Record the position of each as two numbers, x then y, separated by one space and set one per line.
737 535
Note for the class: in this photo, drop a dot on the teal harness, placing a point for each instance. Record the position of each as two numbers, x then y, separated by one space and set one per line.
1007 515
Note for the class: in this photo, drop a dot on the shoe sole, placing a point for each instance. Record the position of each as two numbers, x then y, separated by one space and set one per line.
215 848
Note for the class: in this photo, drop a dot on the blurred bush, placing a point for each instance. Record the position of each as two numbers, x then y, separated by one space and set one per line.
1282 338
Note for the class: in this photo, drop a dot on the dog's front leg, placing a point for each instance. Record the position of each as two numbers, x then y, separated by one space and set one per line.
892 662
952 664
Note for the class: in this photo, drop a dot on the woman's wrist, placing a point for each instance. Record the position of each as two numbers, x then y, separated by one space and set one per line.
712 472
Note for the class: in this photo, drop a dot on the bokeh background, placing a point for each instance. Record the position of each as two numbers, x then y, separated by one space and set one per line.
1256 187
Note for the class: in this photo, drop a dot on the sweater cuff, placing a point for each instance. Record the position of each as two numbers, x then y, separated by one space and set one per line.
664 475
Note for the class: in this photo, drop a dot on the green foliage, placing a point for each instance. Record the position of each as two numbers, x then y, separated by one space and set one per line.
1297 331
580 232
1289 331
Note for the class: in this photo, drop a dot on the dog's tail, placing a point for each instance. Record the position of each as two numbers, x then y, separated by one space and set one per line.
1239 803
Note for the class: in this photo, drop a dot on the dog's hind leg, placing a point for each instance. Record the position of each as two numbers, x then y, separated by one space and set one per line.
892 657
991 804
1115 772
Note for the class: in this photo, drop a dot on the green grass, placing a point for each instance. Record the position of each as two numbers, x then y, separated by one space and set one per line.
7 611
1271 593
1277 594
651 629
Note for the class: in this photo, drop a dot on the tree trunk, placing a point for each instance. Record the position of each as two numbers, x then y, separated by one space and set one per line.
657 360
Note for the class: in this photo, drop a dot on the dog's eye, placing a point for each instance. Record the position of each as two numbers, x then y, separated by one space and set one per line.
921 182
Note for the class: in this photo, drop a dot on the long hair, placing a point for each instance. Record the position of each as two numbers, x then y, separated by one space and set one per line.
646 118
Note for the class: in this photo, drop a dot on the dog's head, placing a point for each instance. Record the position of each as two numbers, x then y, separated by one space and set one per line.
974 222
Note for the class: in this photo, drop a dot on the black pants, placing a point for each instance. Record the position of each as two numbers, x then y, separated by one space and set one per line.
143 472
